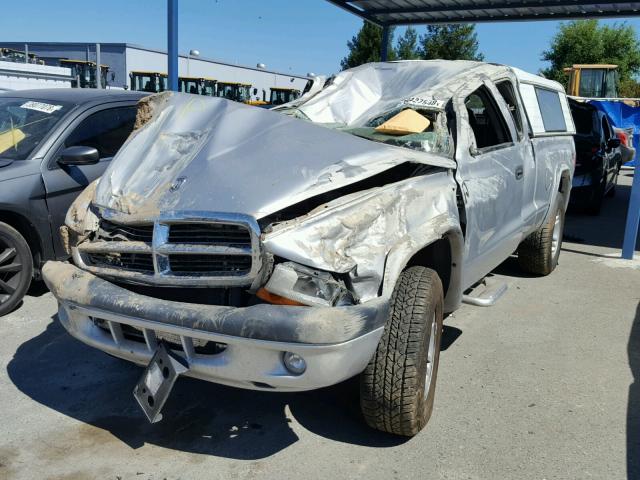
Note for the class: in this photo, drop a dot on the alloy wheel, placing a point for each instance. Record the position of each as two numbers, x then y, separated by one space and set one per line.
555 236
431 354
11 271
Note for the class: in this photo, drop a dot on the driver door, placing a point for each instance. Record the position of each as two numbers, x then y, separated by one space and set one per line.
490 174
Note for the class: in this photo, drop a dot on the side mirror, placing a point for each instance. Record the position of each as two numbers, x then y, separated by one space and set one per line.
79 155
613 143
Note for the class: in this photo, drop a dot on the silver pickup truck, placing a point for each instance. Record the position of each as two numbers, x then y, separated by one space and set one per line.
291 250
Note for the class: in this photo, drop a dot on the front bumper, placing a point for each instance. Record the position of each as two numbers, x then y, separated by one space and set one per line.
336 343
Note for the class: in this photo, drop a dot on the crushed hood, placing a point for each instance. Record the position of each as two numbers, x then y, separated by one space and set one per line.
197 153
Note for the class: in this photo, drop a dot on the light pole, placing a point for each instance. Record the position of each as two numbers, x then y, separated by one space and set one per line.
192 53
172 44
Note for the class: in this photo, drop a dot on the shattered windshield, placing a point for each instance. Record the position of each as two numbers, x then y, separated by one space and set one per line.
415 128
24 123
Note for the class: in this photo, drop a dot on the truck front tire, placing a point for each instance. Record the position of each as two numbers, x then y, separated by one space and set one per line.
539 252
16 268
397 388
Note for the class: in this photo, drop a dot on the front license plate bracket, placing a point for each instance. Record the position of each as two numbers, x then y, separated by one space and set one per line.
157 380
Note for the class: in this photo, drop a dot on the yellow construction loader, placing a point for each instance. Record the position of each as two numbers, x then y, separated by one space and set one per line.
84 73
593 81
153 82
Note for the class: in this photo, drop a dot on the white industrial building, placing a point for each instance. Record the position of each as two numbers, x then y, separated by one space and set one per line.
124 58
24 76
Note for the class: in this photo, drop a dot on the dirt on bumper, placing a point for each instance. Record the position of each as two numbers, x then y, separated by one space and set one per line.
311 325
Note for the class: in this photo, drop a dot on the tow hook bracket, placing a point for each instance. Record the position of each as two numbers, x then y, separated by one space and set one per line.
156 383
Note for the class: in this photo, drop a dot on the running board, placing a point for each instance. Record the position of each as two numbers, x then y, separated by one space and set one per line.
488 295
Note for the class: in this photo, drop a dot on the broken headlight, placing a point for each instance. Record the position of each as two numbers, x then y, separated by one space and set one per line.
306 286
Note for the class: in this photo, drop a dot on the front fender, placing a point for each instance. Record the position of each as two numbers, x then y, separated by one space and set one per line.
445 227
355 235
562 180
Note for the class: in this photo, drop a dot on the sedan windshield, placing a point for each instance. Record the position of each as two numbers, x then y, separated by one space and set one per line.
25 123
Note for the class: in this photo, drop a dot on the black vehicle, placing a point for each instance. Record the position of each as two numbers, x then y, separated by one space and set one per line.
53 143
598 157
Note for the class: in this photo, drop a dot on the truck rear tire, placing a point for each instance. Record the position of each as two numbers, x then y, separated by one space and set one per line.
16 268
539 252
397 388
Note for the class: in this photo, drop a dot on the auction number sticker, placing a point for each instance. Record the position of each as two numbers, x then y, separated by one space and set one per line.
41 107
424 102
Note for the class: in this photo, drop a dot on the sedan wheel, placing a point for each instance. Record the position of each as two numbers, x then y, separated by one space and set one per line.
16 268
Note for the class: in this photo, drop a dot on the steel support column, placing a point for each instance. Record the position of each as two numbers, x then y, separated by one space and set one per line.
385 43
172 44
98 69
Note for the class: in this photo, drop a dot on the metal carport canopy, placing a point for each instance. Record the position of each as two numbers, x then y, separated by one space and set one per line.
407 12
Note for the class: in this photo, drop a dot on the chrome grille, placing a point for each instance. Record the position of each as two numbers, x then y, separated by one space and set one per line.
112 232
137 262
194 250
210 234
208 264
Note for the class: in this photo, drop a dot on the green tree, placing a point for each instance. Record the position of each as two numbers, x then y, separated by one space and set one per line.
450 42
365 46
407 47
629 88
586 41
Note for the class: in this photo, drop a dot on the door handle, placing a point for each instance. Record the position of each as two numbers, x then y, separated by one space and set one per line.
519 172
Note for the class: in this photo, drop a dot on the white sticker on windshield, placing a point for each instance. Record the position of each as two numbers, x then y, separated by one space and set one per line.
41 107
424 102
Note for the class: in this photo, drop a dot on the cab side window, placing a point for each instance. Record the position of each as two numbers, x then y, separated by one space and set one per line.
508 95
485 119
105 130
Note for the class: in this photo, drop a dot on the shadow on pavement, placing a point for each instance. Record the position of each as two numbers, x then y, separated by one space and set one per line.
65 375
589 254
605 229
511 268
449 336
37 289
633 409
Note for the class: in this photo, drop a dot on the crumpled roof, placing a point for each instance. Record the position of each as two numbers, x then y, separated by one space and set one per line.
362 93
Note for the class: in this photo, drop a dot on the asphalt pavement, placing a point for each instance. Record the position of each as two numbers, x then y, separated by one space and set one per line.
539 386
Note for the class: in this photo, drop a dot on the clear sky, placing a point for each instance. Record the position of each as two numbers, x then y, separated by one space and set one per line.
297 36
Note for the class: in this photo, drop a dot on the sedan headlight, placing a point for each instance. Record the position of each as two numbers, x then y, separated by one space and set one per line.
305 286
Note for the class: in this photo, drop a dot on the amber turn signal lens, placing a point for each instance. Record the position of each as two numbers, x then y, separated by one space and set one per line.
267 296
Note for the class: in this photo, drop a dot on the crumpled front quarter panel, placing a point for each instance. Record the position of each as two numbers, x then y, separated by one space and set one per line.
357 236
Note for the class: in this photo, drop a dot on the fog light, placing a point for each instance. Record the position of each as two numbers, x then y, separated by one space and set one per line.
294 363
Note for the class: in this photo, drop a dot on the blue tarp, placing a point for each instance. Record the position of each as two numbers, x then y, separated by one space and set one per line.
622 116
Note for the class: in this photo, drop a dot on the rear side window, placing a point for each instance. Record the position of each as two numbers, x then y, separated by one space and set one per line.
488 125
551 110
105 130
